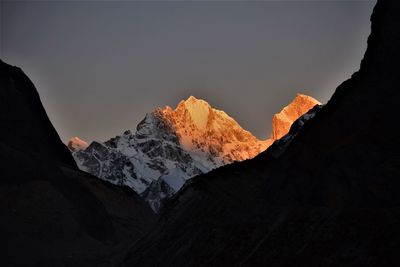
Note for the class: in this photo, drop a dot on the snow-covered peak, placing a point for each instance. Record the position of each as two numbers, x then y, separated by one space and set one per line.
198 110
209 134
75 143
171 146
282 121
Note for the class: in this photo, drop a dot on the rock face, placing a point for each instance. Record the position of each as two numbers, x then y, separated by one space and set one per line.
210 135
51 213
282 121
75 144
137 160
329 198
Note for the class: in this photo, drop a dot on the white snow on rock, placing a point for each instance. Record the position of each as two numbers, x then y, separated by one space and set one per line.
171 146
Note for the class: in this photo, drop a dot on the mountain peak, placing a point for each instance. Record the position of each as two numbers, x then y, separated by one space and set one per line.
193 111
282 121
199 111
301 98
193 99
75 143
170 146
205 130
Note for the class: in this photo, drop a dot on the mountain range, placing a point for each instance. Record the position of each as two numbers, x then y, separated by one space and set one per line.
325 194
330 197
171 146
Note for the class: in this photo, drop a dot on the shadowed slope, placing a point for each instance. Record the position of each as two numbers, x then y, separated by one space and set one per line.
51 213
24 122
331 199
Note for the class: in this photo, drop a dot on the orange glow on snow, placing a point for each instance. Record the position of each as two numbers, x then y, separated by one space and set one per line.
203 129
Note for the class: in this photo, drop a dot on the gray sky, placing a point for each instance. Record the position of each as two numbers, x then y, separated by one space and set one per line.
100 66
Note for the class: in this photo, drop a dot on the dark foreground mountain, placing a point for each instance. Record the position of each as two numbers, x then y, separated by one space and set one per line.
331 198
52 214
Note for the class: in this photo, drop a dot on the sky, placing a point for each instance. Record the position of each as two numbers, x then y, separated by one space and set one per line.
100 66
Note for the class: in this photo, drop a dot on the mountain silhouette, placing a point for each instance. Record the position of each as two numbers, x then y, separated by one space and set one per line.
53 214
329 198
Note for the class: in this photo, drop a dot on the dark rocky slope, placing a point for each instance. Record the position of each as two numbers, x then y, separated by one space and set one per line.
332 198
24 122
51 213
